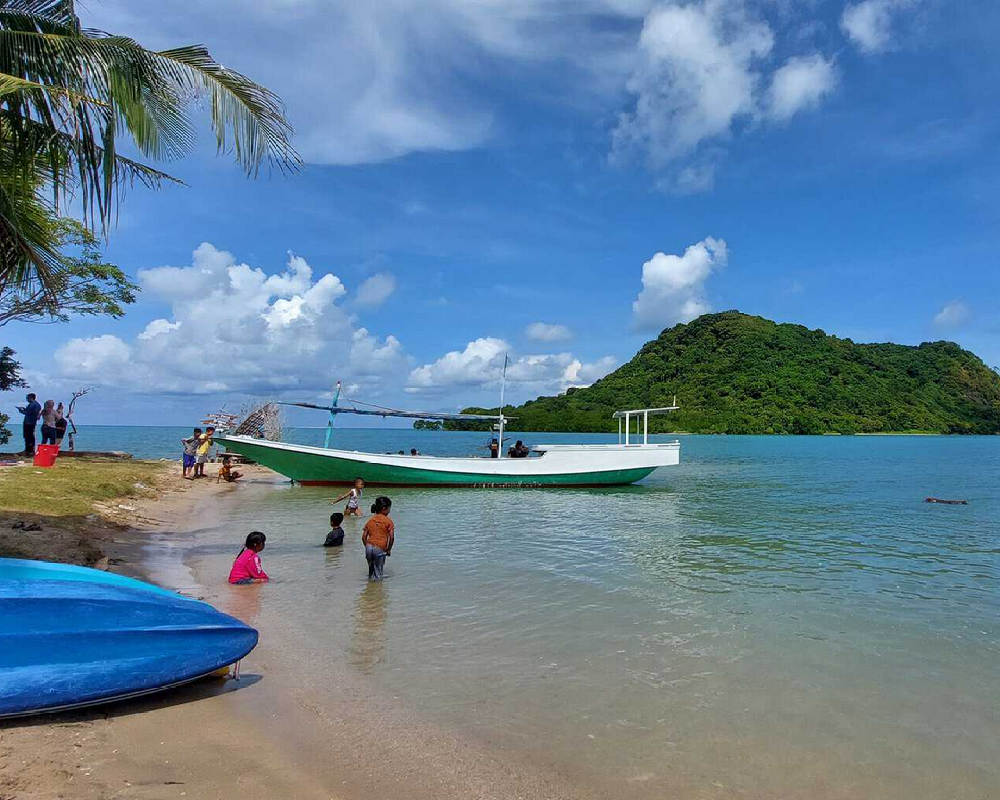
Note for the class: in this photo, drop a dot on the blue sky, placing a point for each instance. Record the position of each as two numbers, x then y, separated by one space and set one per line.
555 180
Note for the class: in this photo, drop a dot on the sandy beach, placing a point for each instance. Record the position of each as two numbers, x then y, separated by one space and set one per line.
259 737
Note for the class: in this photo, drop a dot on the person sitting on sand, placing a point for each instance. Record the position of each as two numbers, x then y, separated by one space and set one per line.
335 538
353 498
378 537
190 445
226 471
204 445
246 567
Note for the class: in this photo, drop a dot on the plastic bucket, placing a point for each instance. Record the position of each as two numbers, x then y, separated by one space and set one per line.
46 454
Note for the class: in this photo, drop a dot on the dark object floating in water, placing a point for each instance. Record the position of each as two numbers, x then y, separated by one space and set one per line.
947 502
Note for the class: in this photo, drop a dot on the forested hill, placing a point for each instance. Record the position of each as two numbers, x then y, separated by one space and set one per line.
734 373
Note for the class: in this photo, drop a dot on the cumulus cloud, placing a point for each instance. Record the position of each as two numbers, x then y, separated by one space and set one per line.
481 362
697 72
375 290
673 287
234 328
544 332
869 23
801 83
953 315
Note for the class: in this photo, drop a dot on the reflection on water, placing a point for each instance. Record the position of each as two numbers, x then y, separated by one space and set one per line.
371 610
243 602
777 617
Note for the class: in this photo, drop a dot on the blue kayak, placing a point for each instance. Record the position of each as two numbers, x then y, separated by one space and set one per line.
65 644
23 569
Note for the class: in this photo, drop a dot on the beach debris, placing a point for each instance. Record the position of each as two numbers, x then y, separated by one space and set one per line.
126 508
947 502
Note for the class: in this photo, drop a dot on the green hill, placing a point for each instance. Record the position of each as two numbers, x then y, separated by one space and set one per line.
734 373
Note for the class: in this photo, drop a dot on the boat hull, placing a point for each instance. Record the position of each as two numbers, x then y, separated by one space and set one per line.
569 466
23 569
67 644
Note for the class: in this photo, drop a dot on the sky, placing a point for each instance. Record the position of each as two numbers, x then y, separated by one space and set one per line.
556 180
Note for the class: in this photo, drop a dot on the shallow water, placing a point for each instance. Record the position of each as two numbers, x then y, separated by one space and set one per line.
777 616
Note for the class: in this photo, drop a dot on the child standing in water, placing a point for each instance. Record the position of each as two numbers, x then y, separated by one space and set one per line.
335 538
378 537
353 498
246 567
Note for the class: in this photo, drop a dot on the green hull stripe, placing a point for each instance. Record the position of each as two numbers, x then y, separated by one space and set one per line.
313 468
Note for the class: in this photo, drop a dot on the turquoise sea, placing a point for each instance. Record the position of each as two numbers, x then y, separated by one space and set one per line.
775 617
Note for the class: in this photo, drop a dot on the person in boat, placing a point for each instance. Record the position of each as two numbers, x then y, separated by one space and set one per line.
414 451
226 471
335 538
378 537
353 498
247 567
518 450
494 448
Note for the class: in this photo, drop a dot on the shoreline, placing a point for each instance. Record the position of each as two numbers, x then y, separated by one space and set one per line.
260 737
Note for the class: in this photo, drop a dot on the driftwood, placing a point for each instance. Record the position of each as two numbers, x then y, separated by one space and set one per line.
947 502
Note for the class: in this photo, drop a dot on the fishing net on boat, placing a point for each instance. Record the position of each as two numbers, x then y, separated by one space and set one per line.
260 420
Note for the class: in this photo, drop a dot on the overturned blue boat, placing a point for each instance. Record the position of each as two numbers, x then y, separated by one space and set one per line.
23 569
70 643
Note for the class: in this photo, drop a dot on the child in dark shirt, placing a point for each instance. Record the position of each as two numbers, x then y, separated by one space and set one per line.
335 538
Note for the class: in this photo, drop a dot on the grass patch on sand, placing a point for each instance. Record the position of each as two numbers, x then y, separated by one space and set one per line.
73 486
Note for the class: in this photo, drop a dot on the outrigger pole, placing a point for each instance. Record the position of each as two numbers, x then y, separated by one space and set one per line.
333 416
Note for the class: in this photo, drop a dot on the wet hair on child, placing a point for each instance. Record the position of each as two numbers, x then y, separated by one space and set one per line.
335 519
255 541
382 503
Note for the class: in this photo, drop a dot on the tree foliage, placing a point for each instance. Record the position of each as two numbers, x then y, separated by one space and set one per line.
10 378
68 95
739 374
84 285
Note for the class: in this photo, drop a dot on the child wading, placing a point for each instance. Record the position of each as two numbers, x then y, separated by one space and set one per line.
378 537
335 538
246 567
353 498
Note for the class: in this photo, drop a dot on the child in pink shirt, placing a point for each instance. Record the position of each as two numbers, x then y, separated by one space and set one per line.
246 567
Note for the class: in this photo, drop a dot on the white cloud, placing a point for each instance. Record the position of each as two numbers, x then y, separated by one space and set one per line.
481 362
235 328
673 287
953 315
545 332
375 290
697 73
93 356
801 83
869 23
374 81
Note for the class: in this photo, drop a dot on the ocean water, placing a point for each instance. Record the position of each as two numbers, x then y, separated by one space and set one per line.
775 617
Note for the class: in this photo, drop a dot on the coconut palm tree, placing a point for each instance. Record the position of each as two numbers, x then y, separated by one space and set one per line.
69 94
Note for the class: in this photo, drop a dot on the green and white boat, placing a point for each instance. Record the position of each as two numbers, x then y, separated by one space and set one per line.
548 465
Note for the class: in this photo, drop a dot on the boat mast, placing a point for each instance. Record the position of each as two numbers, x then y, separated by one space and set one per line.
503 381
333 416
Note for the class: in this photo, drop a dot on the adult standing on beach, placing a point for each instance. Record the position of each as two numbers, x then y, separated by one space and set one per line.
378 537
31 412
49 422
60 424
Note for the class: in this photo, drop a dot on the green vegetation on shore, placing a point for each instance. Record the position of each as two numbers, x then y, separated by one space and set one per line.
740 374
74 486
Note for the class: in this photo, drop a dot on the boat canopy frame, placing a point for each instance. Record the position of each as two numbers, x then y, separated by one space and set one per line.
637 413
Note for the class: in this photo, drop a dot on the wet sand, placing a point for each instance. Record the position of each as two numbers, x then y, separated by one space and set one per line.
260 737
